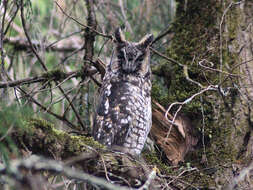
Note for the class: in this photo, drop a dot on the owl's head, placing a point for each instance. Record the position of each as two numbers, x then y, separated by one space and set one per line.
133 57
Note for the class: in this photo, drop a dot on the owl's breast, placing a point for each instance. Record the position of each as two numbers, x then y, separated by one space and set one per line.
124 113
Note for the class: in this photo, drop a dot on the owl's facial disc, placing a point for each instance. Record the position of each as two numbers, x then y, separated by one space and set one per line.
130 58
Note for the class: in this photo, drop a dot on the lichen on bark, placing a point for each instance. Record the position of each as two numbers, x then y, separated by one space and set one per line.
208 30
41 137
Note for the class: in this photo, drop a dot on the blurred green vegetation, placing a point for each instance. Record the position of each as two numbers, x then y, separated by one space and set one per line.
13 117
46 24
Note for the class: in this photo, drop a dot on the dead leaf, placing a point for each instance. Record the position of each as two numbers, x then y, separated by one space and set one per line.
180 139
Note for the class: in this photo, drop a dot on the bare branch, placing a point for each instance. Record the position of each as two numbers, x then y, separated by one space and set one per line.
185 67
29 39
98 33
37 163
160 36
151 176
54 75
23 44
210 87
201 63
165 57
11 19
48 111
29 80
122 9
44 66
2 73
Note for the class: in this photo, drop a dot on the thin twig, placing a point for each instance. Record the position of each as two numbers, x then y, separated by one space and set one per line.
11 20
43 78
3 72
70 55
187 170
52 102
29 80
67 36
210 87
221 43
85 26
7 133
151 176
122 9
75 96
23 44
233 68
37 163
165 57
186 74
160 36
203 129
44 66
44 108
29 39
213 69
106 173
48 111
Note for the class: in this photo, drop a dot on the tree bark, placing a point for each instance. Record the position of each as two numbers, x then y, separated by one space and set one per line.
219 33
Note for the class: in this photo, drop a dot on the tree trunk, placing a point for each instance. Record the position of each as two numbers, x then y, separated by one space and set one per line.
219 35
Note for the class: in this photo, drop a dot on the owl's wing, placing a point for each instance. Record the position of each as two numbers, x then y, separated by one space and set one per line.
113 120
103 126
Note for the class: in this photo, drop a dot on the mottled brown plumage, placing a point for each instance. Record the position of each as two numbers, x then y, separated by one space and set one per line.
123 118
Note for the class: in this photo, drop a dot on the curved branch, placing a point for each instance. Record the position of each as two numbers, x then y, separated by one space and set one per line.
37 163
85 26
28 37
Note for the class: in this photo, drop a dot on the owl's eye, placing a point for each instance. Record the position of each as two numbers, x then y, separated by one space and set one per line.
140 58
121 54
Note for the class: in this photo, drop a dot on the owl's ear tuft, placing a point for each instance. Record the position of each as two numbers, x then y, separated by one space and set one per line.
146 41
119 36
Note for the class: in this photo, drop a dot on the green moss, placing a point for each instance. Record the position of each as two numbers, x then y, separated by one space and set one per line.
81 141
159 92
196 37
233 17
152 159
54 137
56 74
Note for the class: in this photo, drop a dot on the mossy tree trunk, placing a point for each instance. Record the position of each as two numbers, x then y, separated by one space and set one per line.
219 35
214 40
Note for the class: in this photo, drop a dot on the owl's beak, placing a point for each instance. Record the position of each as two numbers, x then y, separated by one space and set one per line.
129 66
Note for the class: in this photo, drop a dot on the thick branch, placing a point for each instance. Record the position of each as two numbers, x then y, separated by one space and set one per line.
23 44
89 36
37 163
40 137
29 80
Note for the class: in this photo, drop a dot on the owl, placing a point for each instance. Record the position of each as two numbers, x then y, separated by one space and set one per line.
123 117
